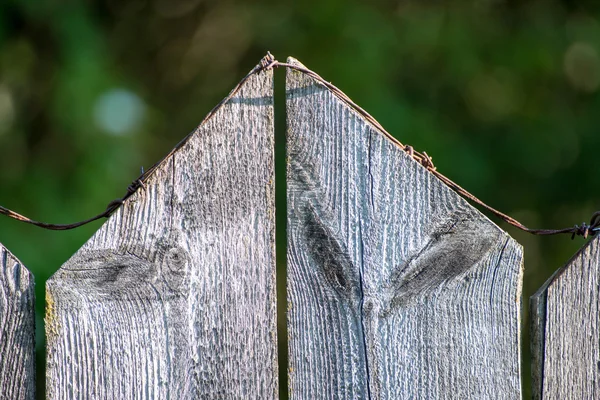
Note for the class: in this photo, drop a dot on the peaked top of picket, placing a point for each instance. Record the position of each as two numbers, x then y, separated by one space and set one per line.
306 80
265 97
255 89
13 273
6 254
577 261
355 108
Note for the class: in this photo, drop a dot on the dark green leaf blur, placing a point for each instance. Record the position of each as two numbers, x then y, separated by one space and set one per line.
504 95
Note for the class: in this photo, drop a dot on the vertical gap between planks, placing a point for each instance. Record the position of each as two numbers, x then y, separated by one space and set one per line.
525 336
526 332
281 230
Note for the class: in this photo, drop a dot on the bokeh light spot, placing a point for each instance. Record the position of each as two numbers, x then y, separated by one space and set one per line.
582 67
118 111
176 8
7 109
493 96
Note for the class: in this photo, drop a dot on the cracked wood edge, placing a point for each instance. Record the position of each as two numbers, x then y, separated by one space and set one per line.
565 335
397 288
17 329
174 296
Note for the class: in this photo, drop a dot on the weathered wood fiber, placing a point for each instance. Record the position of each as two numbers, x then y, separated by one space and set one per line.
17 329
174 296
397 288
565 330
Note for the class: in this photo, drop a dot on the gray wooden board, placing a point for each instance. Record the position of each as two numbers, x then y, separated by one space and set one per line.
174 296
17 329
397 288
565 330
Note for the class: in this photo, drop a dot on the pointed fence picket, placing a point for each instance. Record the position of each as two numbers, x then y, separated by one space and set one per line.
396 287
174 297
17 329
566 331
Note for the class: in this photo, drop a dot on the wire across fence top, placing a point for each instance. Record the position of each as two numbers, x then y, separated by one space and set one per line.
267 63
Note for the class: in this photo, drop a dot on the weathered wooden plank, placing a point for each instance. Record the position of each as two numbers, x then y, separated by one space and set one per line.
565 330
17 329
174 296
397 288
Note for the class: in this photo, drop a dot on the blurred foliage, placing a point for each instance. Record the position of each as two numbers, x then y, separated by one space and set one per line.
502 94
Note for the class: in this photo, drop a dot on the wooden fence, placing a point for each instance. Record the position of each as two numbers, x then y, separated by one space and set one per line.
396 287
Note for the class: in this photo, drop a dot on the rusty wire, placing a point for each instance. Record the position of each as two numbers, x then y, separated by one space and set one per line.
267 63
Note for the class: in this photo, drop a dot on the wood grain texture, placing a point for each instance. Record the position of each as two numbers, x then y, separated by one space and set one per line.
397 288
17 329
174 296
565 330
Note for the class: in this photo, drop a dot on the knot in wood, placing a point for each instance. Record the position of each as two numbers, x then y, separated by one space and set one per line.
177 259
175 269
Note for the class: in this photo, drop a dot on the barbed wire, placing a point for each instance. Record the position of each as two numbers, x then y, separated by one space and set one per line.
267 63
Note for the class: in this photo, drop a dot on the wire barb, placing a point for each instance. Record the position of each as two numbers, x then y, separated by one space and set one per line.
269 62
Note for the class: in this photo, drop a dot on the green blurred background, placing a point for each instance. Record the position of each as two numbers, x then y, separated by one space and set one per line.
502 94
